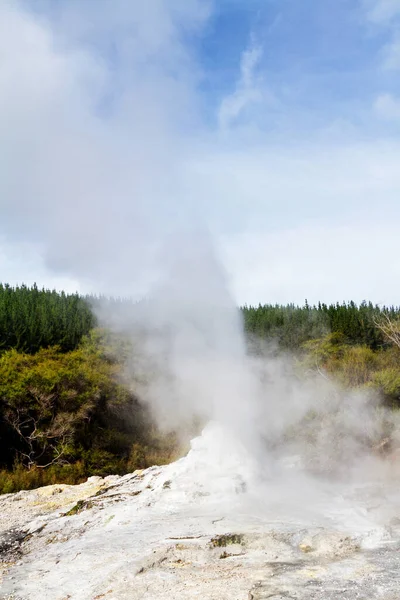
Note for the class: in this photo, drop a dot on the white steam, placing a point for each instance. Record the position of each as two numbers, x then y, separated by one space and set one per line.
189 342
191 360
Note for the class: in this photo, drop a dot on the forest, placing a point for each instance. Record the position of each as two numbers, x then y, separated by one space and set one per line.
65 413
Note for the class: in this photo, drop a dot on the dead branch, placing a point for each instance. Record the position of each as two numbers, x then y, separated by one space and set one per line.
37 440
389 328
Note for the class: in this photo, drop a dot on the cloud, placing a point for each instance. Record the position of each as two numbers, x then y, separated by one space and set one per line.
249 90
316 221
391 54
23 263
386 13
106 152
343 262
383 11
387 107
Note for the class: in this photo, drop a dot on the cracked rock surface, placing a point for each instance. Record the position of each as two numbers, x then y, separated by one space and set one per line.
208 526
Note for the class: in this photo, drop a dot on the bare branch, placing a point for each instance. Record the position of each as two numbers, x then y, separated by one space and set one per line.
37 439
56 459
322 373
389 328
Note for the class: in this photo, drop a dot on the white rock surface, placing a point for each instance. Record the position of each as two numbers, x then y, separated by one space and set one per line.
212 525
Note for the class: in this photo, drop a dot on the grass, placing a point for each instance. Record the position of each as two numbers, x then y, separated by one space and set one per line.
228 539
20 478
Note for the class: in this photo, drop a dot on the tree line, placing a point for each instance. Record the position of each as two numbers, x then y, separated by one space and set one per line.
291 326
33 318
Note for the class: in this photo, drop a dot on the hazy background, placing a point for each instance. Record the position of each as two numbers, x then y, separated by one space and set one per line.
274 125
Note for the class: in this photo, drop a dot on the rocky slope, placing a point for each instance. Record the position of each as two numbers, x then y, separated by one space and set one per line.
212 525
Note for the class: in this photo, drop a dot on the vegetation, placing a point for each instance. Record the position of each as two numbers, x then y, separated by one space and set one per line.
358 366
221 541
291 326
31 319
65 413
65 416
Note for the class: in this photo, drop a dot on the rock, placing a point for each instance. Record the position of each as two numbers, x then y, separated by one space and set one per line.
305 548
182 531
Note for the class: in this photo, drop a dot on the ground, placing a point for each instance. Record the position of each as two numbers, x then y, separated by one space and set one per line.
208 526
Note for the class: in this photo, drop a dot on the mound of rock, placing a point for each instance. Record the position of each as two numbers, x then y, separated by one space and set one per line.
211 525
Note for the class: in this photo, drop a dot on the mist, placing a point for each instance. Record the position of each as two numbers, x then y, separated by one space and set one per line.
119 176
193 364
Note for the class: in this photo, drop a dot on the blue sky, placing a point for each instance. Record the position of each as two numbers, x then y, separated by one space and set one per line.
322 60
274 124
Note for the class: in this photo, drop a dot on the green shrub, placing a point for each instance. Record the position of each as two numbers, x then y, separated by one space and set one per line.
388 382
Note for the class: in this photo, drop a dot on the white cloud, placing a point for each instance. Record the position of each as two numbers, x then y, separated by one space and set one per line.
249 89
317 262
95 193
386 13
383 11
387 107
391 54
23 263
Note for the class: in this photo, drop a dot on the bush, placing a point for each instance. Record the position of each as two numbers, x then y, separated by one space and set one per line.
357 365
387 382
22 479
65 416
